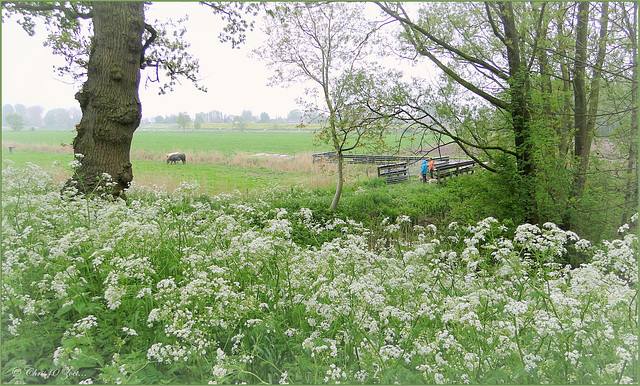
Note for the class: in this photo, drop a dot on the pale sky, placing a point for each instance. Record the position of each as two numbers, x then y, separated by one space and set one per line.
234 81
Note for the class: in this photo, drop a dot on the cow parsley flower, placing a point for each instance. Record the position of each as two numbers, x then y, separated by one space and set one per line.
15 323
129 331
623 228
517 307
80 327
530 362
283 379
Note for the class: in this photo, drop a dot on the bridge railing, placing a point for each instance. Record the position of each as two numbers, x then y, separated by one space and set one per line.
443 171
394 173
399 168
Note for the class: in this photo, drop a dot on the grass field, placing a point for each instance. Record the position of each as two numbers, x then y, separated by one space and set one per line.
165 141
220 161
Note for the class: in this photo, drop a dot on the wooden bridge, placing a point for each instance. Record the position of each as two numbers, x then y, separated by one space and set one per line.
398 168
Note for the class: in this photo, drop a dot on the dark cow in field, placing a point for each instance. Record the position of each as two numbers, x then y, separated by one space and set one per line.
175 157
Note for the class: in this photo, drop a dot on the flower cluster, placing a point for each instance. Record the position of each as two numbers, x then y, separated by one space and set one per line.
219 291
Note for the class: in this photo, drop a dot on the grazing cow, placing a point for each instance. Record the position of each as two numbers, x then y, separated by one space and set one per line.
175 157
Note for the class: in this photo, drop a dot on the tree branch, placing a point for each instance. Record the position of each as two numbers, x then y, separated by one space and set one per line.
152 38
411 28
407 22
45 7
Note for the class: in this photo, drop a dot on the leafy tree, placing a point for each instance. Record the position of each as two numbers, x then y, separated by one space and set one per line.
6 110
437 35
520 80
58 119
199 120
158 119
34 116
294 116
183 121
264 118
239 123
20 110
215 116
325 43
247 116
629 23
122 44
15 121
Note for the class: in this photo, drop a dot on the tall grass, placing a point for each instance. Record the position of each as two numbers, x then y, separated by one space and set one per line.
186 288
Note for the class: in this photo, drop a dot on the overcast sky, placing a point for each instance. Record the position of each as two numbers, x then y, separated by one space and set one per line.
234 81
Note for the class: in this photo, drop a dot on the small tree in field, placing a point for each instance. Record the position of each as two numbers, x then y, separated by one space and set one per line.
183 121
326 44
239 123
198 121
15 121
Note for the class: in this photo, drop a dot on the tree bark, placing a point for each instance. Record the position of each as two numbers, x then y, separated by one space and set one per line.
631 194
338 194
111 108
519 85
582 137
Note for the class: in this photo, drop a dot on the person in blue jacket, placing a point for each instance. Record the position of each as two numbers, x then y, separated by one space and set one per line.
423 171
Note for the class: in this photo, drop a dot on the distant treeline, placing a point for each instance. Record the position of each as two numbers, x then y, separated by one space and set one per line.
247 116
20 116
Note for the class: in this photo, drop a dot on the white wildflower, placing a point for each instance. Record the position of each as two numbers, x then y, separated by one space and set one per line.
623 228
283 379
129 331
517 307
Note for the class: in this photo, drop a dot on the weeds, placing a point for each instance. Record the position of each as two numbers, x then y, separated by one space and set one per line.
185 288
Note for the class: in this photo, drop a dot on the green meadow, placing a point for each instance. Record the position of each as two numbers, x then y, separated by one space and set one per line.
163 141
219 160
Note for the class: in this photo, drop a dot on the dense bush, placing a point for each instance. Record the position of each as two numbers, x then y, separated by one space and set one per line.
184 288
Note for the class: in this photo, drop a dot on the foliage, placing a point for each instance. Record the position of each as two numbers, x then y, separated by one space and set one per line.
15 121
121 44
514 81
327 44
166 52
183 121
197 122
186 288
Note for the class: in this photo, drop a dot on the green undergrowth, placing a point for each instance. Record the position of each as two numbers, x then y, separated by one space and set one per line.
185 288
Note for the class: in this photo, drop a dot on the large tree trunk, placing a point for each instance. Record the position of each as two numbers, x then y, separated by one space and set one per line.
631 194
519 84
583 136
111 108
